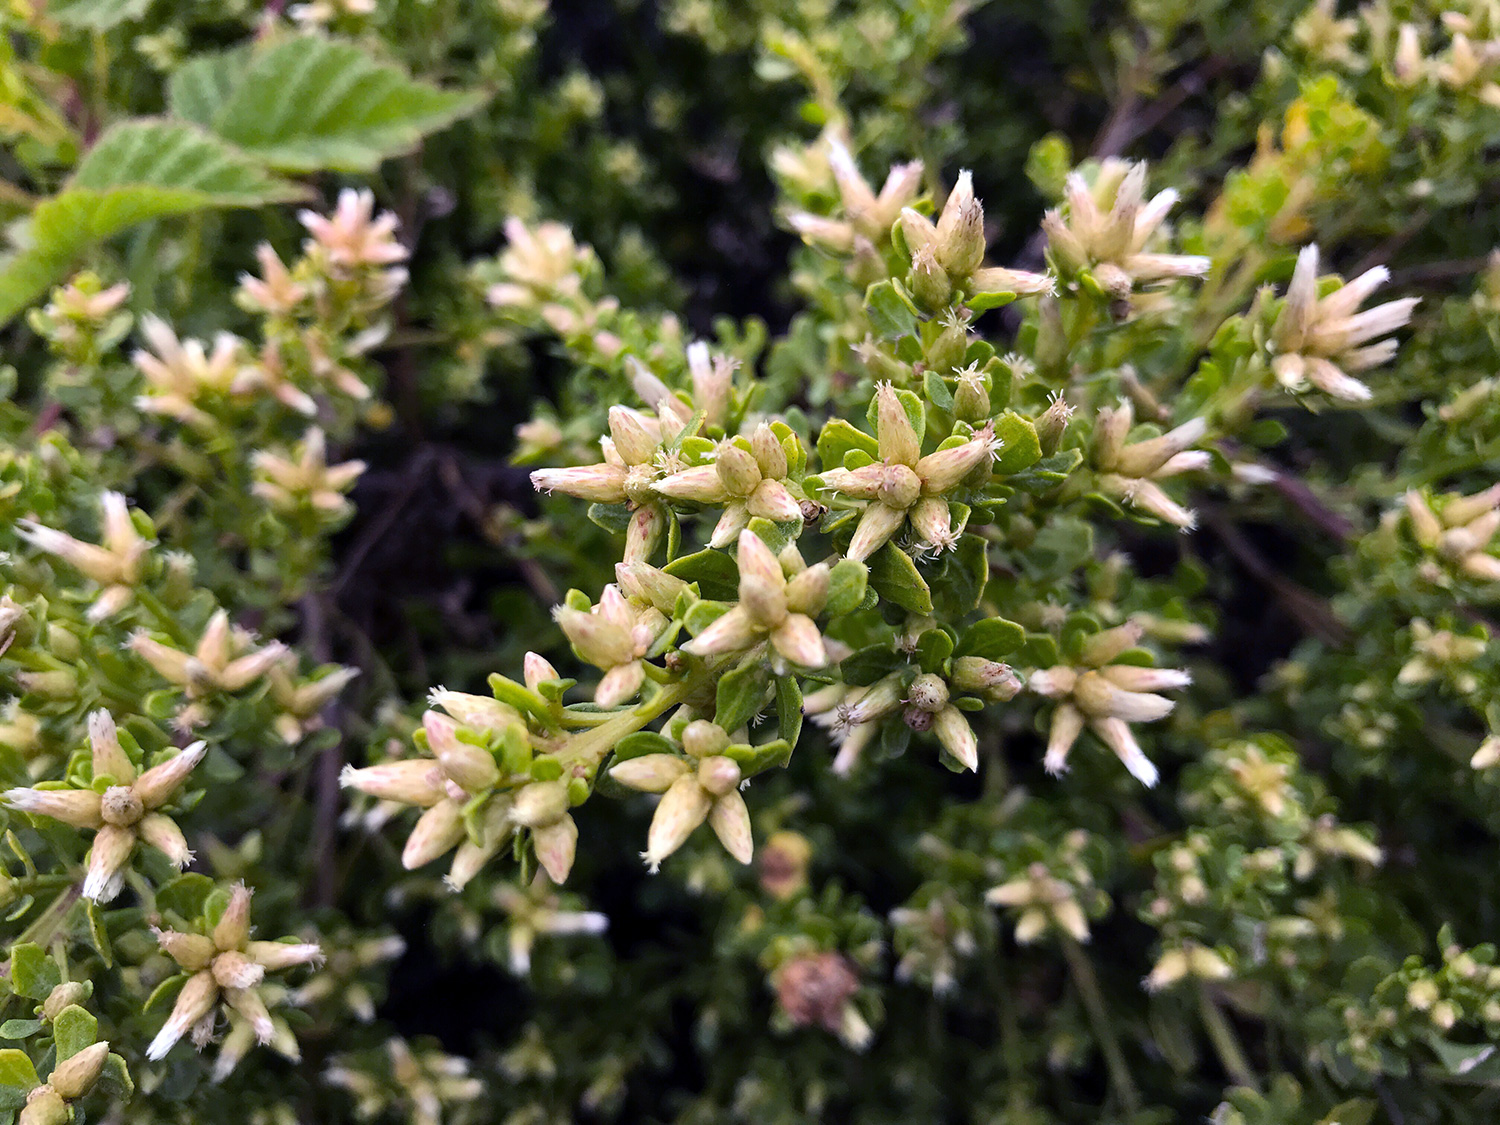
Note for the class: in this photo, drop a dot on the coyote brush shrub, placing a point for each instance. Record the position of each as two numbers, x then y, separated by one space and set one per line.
761 562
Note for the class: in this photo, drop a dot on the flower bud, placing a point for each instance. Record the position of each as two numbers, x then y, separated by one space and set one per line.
650 773
235 970
233 927
468 766
163 834
957 736
159 784
768 451
482 712
415 781
730 820
682 809
541 803
62 996
988 678
701 738
928 692
960 230
44 1106
556 845
971 400
106 862
718 775
437 832
737 468
80 808
193 952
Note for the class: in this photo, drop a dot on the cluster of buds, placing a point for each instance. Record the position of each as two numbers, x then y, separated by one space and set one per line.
1323 34
702 785
748 478
544 269
83 318
948 255
47 1103
122 805
1106 697
303 479
867 216
932 940
778 600
1129 471
302 702
711 375
1187 960
116 564
463 767
635 458
1468 66
1101 244
223 964
1459 532
355 244
225 659
181 374
1324 341
536 911
345 973
421 1082
614 636
1442 654
903 487
1057 895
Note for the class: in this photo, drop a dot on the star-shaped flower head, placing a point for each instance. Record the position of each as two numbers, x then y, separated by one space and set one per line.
224 965
1106 697
116 564
1324 341
541 264
465 744
704 785
1129 472
903 486
181 373
615 636
748 478
1460 531
1107 228
225 658
123 806
949 255
771 608
303 478
635 457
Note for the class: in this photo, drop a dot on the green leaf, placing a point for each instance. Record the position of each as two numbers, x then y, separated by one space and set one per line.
870 664
73 1030
309 102
97 15
937 392
714 571
891 311
185 895
98 935
847 582
994 639
19 1029
894 577
757 759
983 302
139 170
933 649
1019 447
641 743
838 439
32 972
789 708
115 1081
198 88
740 695
16 1070
1459 1058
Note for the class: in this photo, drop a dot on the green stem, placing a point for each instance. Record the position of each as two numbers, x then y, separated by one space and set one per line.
1226 1043
46 925
593 745
164 616
1104 1029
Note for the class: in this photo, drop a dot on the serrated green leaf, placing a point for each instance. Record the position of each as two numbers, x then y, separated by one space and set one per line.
198 88
73 1030
309 102
16 1070
139 170
894 577
97 15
